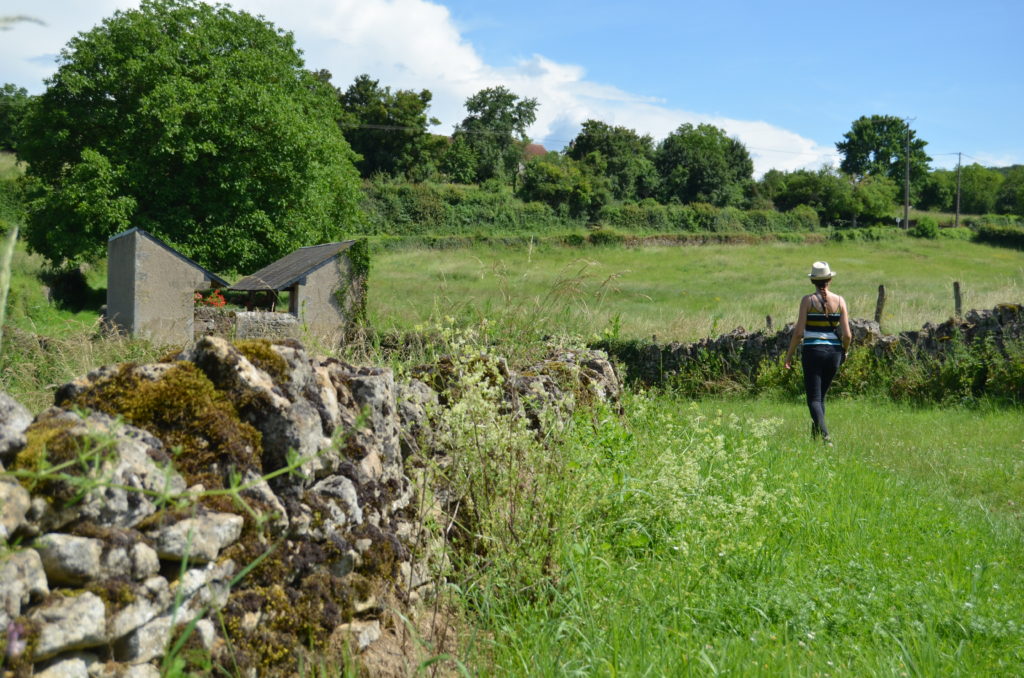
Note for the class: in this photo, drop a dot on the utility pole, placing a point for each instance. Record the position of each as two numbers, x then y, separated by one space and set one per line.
906 177
957 221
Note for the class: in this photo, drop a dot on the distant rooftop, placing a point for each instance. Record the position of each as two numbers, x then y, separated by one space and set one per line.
291 268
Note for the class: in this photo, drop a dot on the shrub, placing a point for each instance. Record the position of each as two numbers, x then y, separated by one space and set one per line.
1005 236
926 227
605 236
805 218
956 233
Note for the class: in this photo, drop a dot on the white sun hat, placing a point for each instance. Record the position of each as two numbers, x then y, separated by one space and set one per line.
820 271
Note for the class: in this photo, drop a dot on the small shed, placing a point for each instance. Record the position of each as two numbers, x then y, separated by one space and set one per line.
151 287
319 283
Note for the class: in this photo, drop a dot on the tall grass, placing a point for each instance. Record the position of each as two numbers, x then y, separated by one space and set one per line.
707 539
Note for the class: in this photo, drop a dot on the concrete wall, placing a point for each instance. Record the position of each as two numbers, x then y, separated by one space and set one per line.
150 290
121 282
318 306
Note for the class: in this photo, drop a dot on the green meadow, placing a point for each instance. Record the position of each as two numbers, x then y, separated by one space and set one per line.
684 293
715 537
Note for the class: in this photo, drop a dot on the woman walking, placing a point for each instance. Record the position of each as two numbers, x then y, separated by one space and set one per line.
824 326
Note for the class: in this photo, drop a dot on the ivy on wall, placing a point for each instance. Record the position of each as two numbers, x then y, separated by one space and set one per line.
359 277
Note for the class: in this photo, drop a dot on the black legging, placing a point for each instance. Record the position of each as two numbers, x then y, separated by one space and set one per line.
820 366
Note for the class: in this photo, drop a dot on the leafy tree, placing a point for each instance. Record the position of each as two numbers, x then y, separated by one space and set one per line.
494 132
877 145
838 197
195 122
13 102
770 186
938 191
389 129
979 187
620 154
1010 199
560 182
702 164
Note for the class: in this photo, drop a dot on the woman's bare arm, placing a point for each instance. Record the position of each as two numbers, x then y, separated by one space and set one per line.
846 335
798 331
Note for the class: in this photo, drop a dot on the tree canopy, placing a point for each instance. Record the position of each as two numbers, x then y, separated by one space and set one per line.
195 122
488 143
1010 199
389 129
703 164
876 145
13 102
834 196
620 154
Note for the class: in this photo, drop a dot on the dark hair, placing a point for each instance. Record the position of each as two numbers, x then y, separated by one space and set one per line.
822 284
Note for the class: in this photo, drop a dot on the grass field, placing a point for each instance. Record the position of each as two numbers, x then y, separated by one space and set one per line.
717 539
685 293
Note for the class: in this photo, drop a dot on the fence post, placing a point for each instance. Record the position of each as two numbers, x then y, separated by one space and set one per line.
957 301
768 322
880 305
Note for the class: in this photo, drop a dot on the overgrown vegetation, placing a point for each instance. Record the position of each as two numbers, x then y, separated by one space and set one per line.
716 538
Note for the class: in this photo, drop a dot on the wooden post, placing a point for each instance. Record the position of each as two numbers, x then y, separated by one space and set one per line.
957 301
768 322
880 305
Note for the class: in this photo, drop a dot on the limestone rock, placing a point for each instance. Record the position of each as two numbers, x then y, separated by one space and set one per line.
360 634
22 579
198 539
286 426
152 599
14 505
126 464
69 667
336 500
66 624
197 590
115 670
415 403
70 560
14 419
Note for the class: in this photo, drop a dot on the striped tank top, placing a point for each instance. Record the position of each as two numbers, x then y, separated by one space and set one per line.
819 329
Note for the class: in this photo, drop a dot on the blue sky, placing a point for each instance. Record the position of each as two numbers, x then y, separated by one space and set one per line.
786 77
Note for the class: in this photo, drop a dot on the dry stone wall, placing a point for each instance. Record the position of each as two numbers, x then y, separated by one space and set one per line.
243 500
740 353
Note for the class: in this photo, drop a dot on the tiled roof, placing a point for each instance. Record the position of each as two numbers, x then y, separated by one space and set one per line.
534 150
289 269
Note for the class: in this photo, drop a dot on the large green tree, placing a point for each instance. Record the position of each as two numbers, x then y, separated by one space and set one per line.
562 183
703 164
876 145
389 129
979 188
488 143
938 191
13 102
1010 199
195 122
621 155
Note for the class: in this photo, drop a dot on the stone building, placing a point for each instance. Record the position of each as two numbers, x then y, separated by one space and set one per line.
151 287
318 279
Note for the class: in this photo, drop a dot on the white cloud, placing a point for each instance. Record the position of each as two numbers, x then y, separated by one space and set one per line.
415 44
